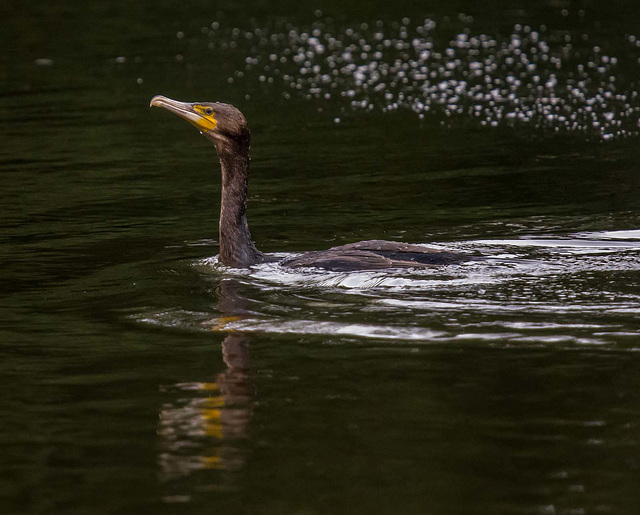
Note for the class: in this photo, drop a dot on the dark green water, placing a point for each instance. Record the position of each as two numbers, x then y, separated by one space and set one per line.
138 376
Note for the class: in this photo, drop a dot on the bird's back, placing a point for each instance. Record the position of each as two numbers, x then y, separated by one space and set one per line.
375 255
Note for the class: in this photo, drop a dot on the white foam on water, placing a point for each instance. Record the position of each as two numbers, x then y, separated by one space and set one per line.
545 293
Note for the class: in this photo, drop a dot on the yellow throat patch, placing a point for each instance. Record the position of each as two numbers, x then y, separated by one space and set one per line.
207 122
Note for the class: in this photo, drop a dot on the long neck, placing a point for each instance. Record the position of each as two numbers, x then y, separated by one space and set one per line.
236 248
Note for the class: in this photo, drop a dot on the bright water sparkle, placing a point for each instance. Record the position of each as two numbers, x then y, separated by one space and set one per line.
554 81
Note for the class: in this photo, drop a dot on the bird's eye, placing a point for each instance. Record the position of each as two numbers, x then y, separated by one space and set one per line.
208 111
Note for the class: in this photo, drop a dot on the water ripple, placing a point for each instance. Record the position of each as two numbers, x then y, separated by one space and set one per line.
553 290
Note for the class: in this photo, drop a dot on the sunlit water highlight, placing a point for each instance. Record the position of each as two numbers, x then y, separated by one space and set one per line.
562 81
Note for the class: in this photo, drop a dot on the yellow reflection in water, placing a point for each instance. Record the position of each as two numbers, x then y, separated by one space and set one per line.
199 428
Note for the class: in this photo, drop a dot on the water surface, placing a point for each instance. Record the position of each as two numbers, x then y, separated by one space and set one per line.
140 375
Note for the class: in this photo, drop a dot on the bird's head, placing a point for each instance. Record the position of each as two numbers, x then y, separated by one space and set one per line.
222 123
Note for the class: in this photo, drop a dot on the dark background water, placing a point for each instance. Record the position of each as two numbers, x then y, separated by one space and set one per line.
138 376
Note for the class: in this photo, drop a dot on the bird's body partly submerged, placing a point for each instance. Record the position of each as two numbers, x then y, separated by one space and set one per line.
374 255
227 128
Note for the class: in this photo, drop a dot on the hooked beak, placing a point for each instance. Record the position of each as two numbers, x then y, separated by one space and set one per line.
185 110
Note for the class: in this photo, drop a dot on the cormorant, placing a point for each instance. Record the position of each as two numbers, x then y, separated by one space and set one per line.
226 127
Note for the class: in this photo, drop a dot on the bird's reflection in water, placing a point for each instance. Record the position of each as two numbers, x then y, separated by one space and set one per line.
202 425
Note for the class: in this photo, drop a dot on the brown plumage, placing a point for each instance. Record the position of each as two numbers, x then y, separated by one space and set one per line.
227 128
